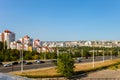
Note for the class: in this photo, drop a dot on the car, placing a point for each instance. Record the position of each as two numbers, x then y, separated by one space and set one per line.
1 63
7 65
23 62
28 63
14 63
39 61
79 60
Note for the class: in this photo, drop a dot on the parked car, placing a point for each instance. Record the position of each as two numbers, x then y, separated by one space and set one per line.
28 63
14 63
7 65
23 61
39 61
79 60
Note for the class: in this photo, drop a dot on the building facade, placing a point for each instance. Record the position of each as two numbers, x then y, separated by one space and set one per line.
7 36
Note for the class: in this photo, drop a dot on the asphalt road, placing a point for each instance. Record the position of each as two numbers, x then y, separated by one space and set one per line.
98 58
48 64
25 67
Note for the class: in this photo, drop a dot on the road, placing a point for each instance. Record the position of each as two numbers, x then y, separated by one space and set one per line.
98 58
48 64
26 67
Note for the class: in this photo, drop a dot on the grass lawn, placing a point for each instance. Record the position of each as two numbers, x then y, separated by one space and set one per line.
52 71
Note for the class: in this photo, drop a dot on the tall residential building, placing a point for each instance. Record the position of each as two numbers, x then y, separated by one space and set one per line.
8 37
26 40
26 43
1 37
36 43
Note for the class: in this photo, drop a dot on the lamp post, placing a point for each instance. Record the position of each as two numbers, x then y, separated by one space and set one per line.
111 54
22 58
21 61
93 58
103 55
45 54
81 53
57 52
118 51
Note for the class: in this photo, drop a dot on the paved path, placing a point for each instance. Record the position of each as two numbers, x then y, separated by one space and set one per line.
104 74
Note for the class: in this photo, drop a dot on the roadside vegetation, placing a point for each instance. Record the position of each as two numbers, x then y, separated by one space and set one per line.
65 60
75 51
65 65
114 67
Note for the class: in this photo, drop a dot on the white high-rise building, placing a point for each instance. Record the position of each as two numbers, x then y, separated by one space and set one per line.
8 37
1 37
26 40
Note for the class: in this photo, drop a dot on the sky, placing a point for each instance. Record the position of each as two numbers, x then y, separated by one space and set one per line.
61 20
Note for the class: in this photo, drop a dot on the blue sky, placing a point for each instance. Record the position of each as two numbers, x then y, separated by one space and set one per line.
62 20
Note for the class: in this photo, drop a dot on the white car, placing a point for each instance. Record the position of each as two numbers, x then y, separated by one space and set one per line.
39 61
7 65
78 59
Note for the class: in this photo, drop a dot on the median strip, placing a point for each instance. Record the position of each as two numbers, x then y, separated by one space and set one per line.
79 69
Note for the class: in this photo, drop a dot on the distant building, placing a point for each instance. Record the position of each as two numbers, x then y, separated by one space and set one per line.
36 43
26 42
8 37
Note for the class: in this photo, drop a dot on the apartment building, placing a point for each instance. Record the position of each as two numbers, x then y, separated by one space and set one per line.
36 43
8 37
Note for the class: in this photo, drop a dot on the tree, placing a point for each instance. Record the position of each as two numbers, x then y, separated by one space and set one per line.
65 65
1 46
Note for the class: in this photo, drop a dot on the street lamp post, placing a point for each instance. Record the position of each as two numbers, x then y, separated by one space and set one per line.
111 55
44 55
21 60
57 53
93 58
103 55
81 53
118 51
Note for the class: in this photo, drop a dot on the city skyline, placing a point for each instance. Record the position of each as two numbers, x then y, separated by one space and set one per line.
62 20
